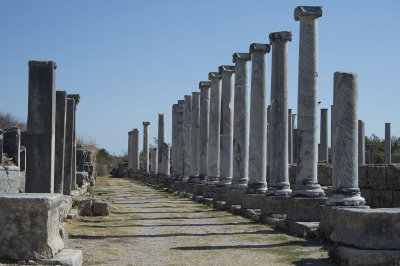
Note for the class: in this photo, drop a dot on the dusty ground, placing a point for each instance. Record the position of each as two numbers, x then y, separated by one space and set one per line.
150 227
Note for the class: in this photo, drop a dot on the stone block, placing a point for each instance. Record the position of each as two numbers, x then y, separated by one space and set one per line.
275 205
101 207
30 225
66 257
81 177
199 189
304 209
234 196
10 182
253 201
393 176
396 199
220 193
208 191
353 256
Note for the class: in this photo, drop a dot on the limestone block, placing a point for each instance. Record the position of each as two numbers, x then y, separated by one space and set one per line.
66 257
10 182
275 205
101 207
304 209
393 176
353 256
30 225
253 201
81 177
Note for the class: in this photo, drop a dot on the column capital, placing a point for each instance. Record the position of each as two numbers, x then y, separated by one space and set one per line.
76 97
307 12
204 84
181 102
226 69
214 75
259 48
283 36
146 123
33 63
241 56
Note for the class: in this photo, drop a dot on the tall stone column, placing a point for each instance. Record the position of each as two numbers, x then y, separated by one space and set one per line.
41 127
61 111
345 190
76 97
257 183
194 138
215 126
331 127
146 146
361 142
154 161
173 140
130 150
165 166
307 103
268 134
388 146
323 153
371 153
160 140
187 132
226 133
290 137
69 146
135 150
179 141
240 174
204 127
279 172
294 144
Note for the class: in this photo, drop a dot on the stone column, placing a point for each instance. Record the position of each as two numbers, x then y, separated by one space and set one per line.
268 135
187 132
160 140
279 172
214 128
69 146
240 174
61 111
165 166
76 97
361 142
179 139
294 144
307 103
135 150
154 161
1 147
41 127
146 146
345 190
331 127
371 153
173 140
388 146
130 150
257 183
194 138
80 158
204 126
323 153
290 137
226 133
12 144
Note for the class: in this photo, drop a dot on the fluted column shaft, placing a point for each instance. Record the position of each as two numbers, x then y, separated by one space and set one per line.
194 139
135 150
187 130
204 127
180 144
173 140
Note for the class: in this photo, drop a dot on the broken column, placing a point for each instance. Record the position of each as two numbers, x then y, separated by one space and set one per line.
165 164
345 190
279 172
204 87
81 175
388 147
12 144
173 140
307 103
61 111
160 140
361 142
76 97
226 133
154 161
179 142
187 131
240 174
69 146
214 127
257 183
194 137
41 127
323 152
135 150
146 146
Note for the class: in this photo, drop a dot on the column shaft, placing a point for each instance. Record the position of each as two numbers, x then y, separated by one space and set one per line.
68 163
180 144
194 138
146 146
290 137
174 141
204 127
165 166
161 136
187 132
154 161
323 155
388 146
135 150
361 142
61 110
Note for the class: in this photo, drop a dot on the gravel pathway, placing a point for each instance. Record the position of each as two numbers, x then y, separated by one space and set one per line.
150 227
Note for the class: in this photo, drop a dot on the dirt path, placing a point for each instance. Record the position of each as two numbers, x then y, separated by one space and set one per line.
150 227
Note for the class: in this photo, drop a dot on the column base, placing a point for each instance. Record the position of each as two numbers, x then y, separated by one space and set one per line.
224 181
280 190
310 190
238 185
345 199
256 188
193 179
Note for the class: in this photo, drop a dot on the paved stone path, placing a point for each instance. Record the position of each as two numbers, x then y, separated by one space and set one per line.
150 227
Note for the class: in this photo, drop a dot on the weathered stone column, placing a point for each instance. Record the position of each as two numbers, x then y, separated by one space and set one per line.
160 140
173 140
146 146
204 127
12 144
61 111
214 127
345 190
165 166
41 127
371 153
76 97
290 137
154 161
226 134
187 132
240 174
179 141
257 183
331 127
194 138
294 144
307 103
279 172
268 135
1 147
361 142
69 146
388 146
323 152
135 150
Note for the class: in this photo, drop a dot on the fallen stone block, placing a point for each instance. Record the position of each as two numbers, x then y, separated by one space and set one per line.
101 207
66 257
353 256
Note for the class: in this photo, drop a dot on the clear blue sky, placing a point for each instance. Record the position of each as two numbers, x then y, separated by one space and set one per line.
130 60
